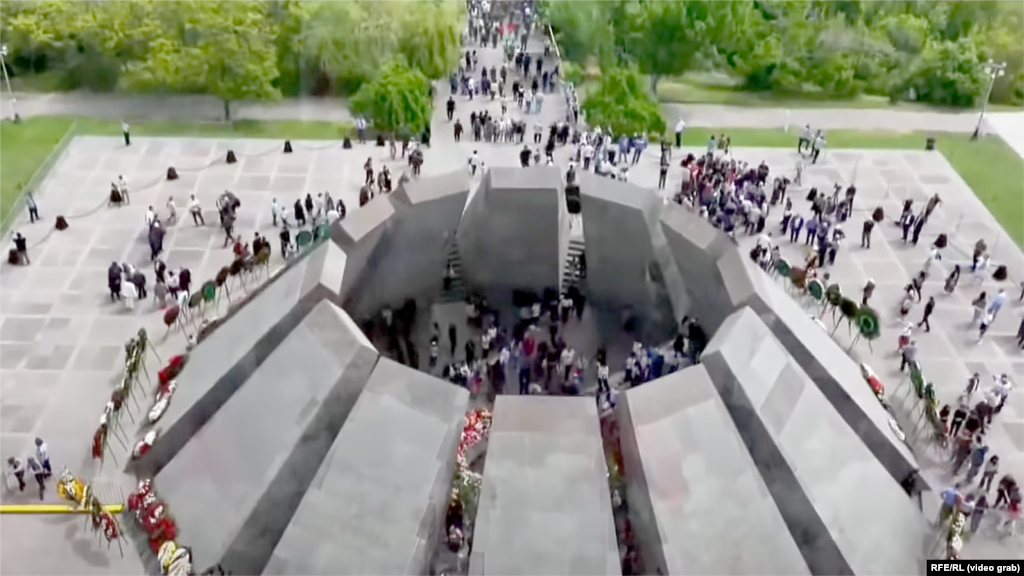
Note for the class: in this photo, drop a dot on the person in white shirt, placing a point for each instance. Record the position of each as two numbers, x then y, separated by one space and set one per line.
587 152
805 138
196 211
680 126
122 186
150 216
43 456
474 163
172 211
129 294
1001 390
568 355
125 132
275 210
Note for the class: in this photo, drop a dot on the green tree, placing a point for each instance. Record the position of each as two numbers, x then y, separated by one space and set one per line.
220 47
430 35
666 38
947 73
622 103
399 99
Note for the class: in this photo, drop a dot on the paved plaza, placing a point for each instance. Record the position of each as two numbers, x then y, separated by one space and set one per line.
61 338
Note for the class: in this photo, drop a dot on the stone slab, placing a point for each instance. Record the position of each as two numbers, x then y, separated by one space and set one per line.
697 502
544 502
378 502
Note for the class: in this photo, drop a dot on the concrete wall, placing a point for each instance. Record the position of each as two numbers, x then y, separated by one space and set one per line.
831 369
696 246
843 509
377 503
410 258
360 235
697 502
544 502
624 270
223 362
236 484
509 237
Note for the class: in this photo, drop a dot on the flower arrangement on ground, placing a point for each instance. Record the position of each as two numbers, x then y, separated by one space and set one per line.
955 536
152 516
466 482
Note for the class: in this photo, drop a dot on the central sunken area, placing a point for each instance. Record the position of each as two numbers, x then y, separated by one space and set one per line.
317 434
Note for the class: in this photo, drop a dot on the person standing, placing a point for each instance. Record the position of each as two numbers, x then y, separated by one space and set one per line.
865 235
122 187
126 133
43 456
361 129
958 420
275 210
680 126
196 211
929 307
663 172
21 247
33 209
450 108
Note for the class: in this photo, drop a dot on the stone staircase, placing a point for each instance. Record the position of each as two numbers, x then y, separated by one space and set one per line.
573 274
457 291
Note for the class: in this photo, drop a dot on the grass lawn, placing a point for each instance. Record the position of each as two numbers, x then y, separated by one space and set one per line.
990 167
24 147
704 88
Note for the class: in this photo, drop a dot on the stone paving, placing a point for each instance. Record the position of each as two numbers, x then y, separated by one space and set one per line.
61 339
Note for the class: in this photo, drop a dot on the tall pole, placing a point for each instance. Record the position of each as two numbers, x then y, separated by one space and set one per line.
7 80
994 71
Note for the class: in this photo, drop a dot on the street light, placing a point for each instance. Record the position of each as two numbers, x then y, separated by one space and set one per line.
7 80
994 71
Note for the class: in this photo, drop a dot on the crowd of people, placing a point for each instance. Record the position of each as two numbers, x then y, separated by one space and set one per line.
964 430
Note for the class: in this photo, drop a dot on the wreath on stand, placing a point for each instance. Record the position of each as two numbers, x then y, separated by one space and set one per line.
867 323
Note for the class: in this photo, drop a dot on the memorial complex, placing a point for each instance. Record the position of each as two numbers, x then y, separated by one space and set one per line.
352 450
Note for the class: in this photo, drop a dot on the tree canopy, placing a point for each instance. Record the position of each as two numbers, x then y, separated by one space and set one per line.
398 100
837 48
622 103
233 49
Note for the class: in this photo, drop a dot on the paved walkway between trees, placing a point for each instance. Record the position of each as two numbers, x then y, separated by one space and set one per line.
182 107
208 108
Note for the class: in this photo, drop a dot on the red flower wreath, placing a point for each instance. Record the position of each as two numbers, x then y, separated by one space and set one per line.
171 371
109 526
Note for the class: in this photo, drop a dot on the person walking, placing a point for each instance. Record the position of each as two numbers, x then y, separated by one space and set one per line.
196 211
929 307
126 132
908 355
663 172
39 474
869 290
991 469
43 456
17 469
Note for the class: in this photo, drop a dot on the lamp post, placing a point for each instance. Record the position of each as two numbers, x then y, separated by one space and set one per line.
7 80
994 70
